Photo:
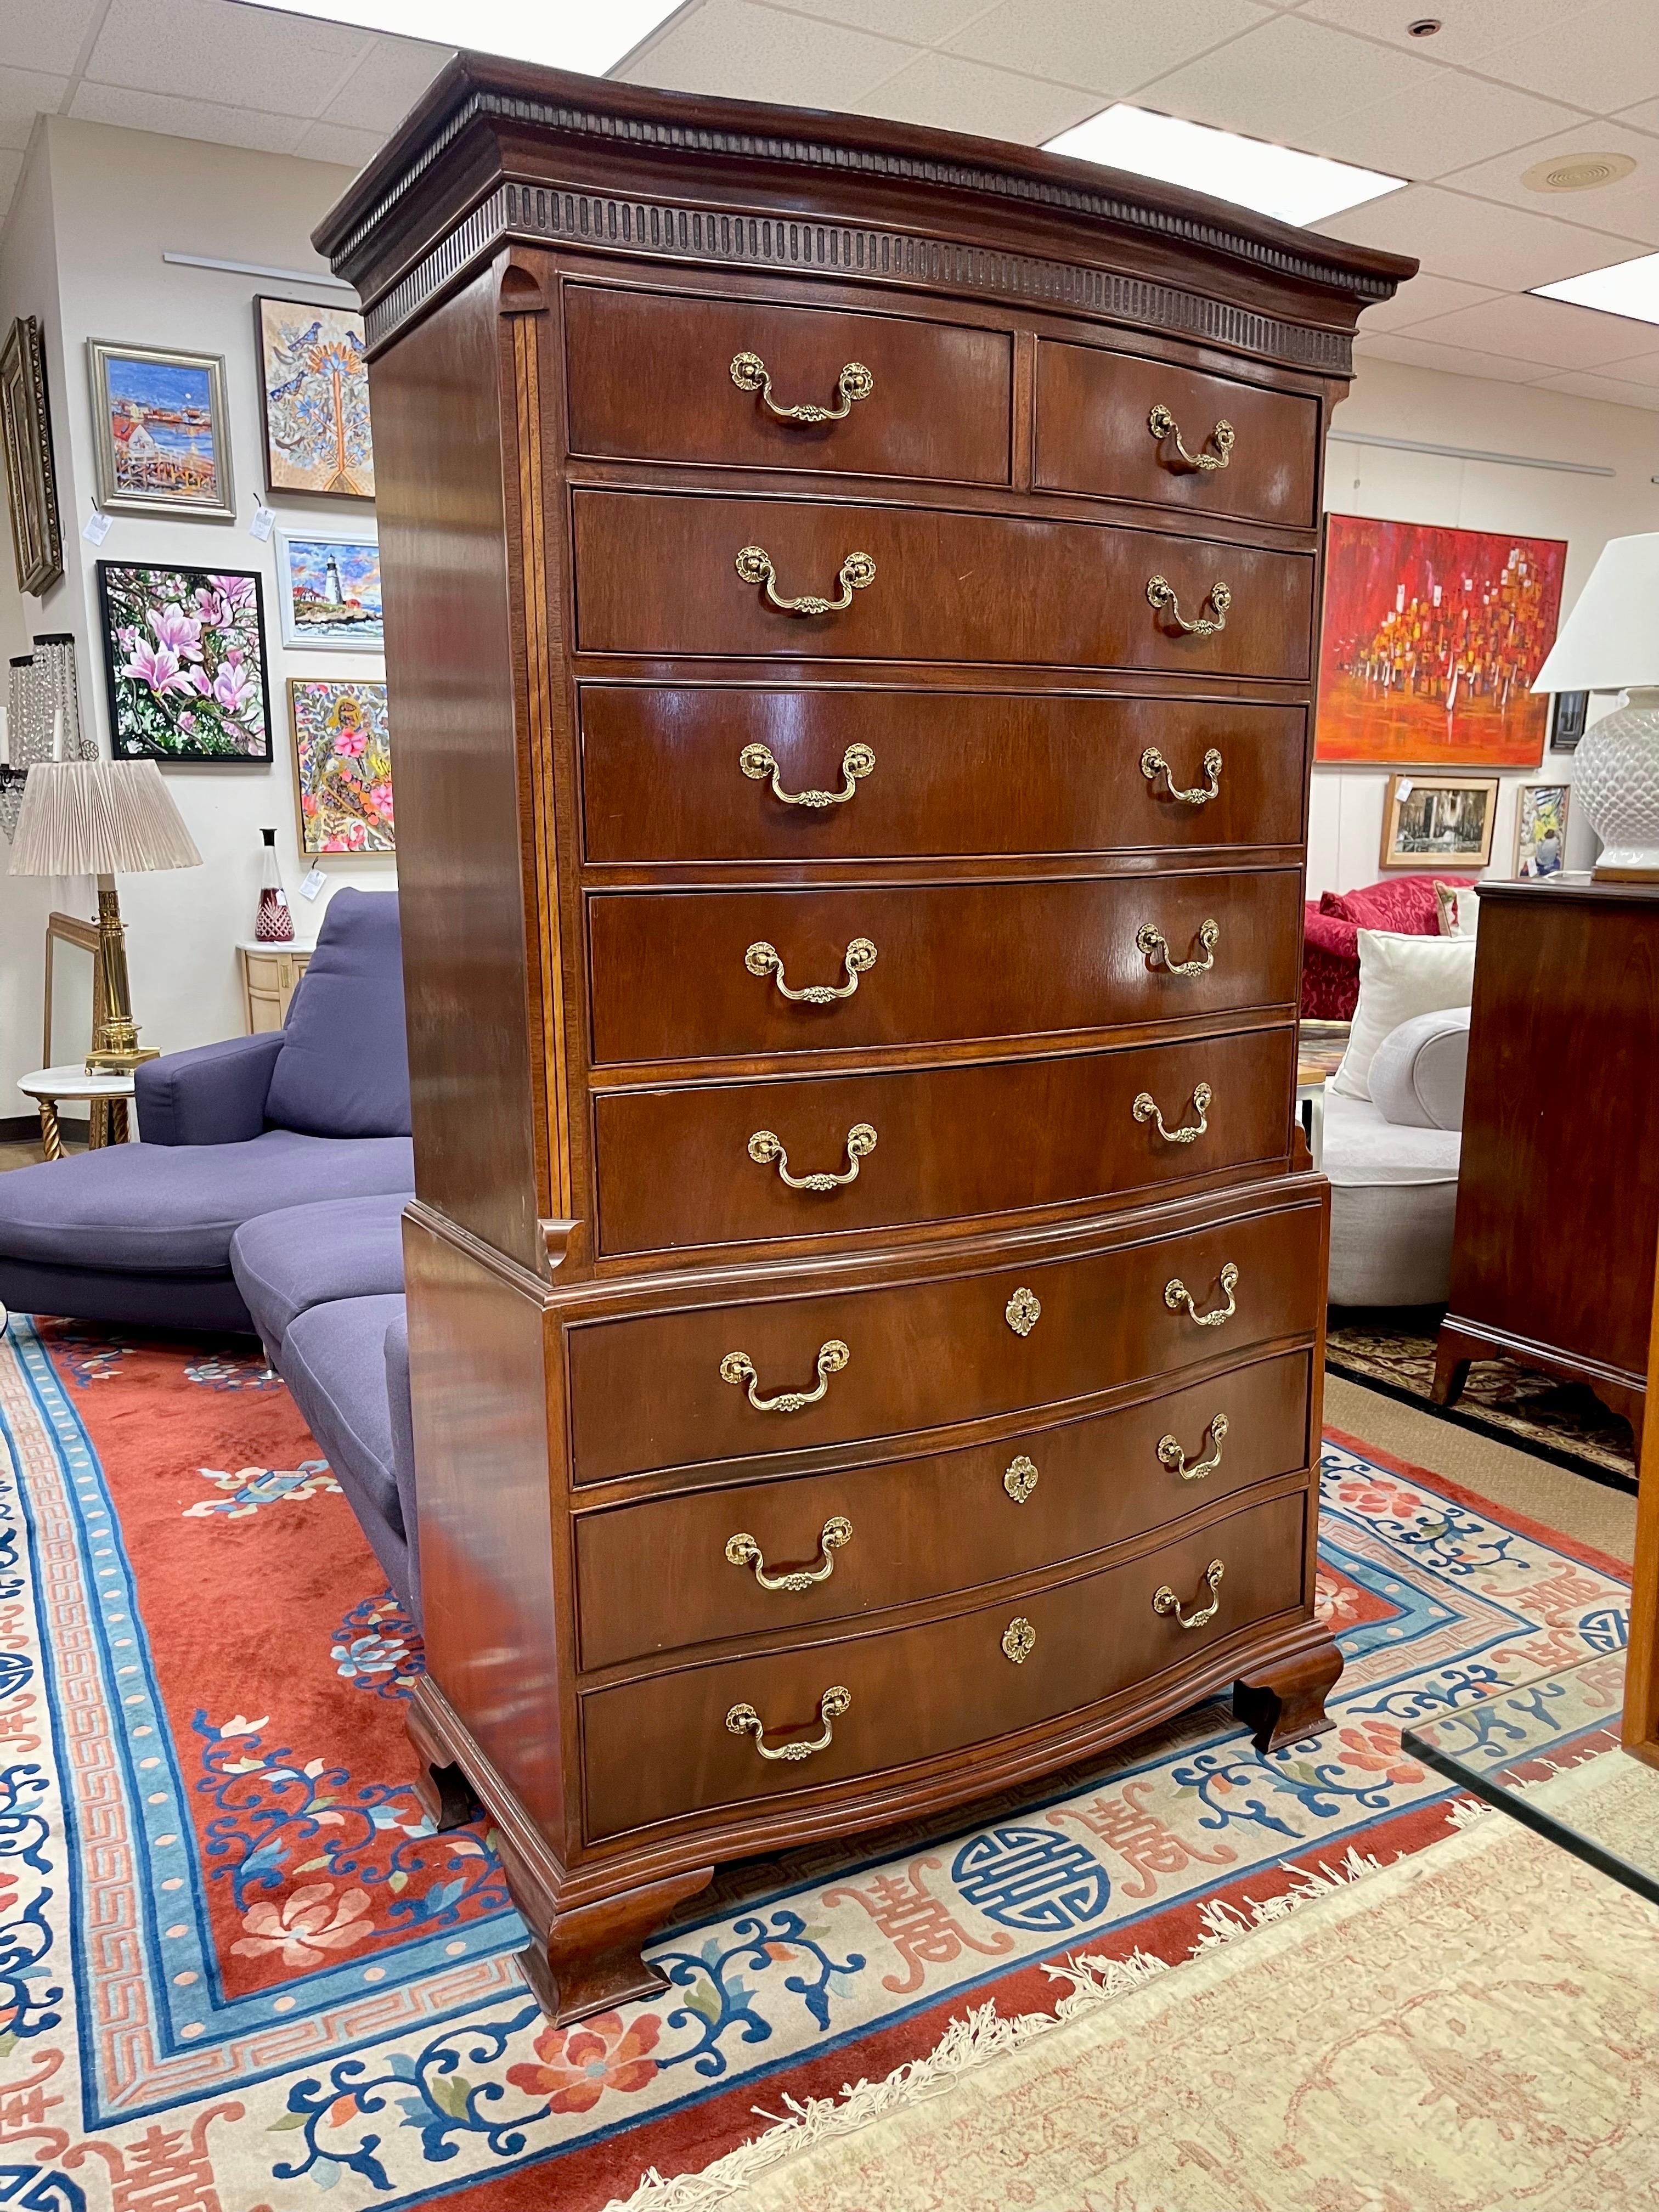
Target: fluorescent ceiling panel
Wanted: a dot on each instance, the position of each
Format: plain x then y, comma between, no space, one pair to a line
1274,180
561,33
1628,288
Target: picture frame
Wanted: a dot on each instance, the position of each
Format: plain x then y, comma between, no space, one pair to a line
1540,829
342,766
329,585
1569,712
37,536
185,663
160,431
313,400
1438,821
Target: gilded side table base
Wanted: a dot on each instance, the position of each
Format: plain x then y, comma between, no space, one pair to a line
51,1137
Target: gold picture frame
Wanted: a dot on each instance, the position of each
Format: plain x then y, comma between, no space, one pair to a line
36,536
1432,821
69,929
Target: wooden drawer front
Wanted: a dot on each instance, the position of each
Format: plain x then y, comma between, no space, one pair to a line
654,1578
670,979
675,1170
657,576
919,1693
650,375
663,773
1093,435
646,1391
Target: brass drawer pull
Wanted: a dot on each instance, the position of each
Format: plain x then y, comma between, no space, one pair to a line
1164,1600
738,1367
1023,1311
1146,1109
1021,1479
1161,594
742,1551
743,1720
1153,944
764,1148
1018,1640
1170,1451
1163,425
754,565
748,373
764,959
1176,1295
757,762
1153,765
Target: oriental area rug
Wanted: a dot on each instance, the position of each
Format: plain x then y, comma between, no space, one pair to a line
239,1972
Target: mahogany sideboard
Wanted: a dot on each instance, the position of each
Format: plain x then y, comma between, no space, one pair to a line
851,605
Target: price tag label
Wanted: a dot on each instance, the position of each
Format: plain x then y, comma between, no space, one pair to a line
95,528
261,524
313,884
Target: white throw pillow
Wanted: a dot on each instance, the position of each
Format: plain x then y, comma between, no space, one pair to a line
1400,976
1459,907
1418,1075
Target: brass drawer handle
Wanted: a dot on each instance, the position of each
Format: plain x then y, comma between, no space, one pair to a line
1155,946
764,1148
757,762
748,373
1018,1640
1146,1109
1176,1295
1163,425
764,959
754,565
1170,1451
1161,594
1153,765
1164,1600
1023,1311
738,1367
1021,1479
743,1720
742,1551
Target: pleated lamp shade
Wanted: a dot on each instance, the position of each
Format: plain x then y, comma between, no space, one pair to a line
98,818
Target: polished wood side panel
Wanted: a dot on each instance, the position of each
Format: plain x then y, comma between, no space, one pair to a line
942,1687
931,1351
976,773
675,1171
650,376
653,1578
1093,435
980,960
655,574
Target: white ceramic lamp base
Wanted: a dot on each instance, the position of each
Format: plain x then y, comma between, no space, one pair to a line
1615,779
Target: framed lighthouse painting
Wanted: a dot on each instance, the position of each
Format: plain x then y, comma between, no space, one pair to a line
329,584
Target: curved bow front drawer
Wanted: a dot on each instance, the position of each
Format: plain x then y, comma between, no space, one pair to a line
830,1711
777,1374
789,579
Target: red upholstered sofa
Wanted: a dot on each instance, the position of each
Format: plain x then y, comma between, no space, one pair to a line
1330,942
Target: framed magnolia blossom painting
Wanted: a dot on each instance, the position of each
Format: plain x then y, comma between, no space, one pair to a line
342,765
315,383
185,656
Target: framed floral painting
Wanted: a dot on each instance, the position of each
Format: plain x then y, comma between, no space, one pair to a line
342,765
185,656
314,384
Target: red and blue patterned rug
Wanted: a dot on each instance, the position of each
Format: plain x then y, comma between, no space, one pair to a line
238,1973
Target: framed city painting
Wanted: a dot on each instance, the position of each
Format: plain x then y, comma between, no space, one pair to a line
1438,821
342,765
1541,828
37,539
315,383
1569,712
1431,641
185,656
331,591
161,435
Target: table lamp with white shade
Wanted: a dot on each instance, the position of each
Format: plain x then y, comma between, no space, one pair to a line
103,818
1610,642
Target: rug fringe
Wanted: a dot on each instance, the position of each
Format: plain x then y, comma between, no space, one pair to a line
1223,1924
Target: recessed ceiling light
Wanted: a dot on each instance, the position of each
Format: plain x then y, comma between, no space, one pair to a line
1275,180
1424,27
1629,288
560,32
1576,173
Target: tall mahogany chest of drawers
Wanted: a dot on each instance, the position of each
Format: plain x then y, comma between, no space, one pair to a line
851,604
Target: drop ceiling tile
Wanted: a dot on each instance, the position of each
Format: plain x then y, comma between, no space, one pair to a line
1643,117
25,93
387,83
1637,369
46,34
1600,58
954,94
252,58
1470,28
924,22
1109,49
1452,118
1475,239
187,118
1286,81
1614,390
1456,360
1629,208
751,52
1548,331
1422,296
339,142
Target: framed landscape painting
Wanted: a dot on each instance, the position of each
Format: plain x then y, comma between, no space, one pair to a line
185,656
37,541
160,433
1438,821
331,593
343,764
1430,643
314,385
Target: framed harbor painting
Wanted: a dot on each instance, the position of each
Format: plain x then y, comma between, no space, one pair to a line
1431,641
313,383
185,657
160,436
331,591
37,541
342,765
1438,821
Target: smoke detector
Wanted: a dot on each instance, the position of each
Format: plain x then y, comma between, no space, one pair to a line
1578,172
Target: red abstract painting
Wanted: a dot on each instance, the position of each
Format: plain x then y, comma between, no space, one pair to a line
1431,639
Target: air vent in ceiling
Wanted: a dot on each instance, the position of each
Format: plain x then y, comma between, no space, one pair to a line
1578,172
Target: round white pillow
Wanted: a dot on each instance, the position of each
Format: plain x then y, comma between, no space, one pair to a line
1418,1073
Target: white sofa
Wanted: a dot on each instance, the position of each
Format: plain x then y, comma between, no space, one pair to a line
1392,1160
